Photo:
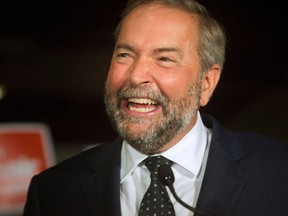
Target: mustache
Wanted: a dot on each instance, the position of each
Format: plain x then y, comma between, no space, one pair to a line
142,92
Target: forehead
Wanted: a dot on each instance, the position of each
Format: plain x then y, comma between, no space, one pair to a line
159,20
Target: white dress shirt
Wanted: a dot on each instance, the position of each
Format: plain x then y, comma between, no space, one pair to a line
189,156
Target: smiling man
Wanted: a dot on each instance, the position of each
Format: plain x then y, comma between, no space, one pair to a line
166,64
155,84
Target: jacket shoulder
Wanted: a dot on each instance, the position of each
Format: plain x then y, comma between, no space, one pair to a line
96,154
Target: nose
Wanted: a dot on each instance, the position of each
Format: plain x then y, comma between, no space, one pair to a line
141,72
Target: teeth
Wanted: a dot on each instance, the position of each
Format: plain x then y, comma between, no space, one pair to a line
141,109
141,101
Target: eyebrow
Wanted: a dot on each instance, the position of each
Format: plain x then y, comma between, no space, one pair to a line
156,51
125,47
166,49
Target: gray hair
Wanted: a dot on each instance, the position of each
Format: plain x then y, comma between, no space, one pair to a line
212,39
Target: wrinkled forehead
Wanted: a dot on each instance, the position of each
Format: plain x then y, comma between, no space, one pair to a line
157,10
159,18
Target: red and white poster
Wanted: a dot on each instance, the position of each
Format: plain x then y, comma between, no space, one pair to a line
25,150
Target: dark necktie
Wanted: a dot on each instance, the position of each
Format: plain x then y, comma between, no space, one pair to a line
156,201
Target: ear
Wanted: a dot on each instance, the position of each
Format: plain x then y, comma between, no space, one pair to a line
209,82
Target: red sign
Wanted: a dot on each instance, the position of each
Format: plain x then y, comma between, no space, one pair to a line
25,150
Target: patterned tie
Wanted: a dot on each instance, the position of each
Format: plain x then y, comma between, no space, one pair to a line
155,201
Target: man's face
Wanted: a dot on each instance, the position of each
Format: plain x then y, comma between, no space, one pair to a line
154,85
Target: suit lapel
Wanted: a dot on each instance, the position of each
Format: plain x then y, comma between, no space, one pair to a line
224,177
223,182
101,185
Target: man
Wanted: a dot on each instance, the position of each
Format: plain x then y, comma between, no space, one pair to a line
166,64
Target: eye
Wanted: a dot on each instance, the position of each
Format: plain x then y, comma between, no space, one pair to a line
166,59
166,62
122,55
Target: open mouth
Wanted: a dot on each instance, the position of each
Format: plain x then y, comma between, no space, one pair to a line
142,105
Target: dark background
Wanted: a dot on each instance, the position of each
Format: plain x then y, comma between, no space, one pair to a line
54,57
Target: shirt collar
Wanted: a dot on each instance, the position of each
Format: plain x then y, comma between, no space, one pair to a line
191,148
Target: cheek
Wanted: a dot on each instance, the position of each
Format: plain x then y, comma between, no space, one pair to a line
115,79
175,86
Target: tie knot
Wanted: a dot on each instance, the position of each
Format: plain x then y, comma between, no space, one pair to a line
153,163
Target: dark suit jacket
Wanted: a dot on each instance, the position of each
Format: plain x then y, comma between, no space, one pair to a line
246,174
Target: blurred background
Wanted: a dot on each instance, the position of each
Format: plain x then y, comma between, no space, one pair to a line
54,57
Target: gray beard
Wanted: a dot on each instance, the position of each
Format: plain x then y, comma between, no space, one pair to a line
176,116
